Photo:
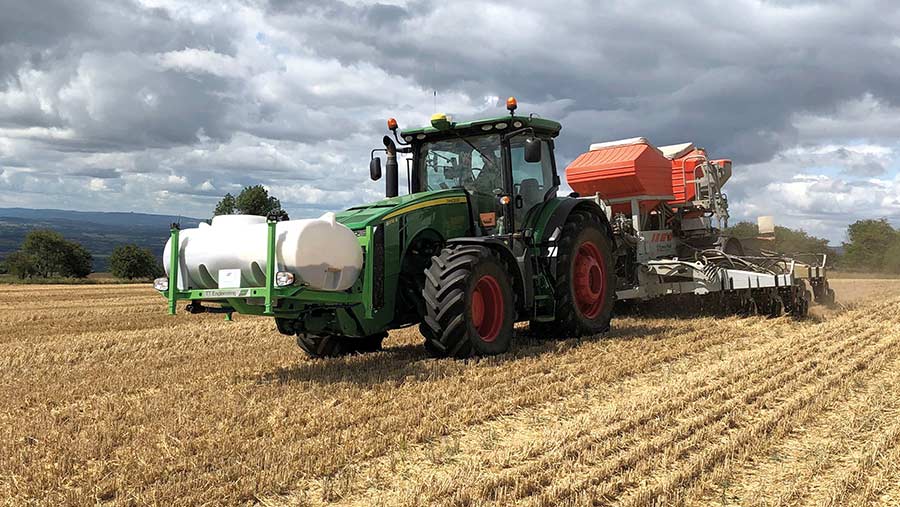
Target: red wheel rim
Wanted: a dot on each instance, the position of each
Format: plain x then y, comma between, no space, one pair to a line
589,280
487,308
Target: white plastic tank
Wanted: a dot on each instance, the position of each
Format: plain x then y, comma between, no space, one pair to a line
320,252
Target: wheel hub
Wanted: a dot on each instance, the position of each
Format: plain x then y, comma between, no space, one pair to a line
487,308
589,280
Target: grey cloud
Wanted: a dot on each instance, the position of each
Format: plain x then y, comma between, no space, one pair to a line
42,22
92,63
870,168
102,173
377,13
45,34
300,124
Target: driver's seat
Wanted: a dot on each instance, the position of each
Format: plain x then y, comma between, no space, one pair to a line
530,190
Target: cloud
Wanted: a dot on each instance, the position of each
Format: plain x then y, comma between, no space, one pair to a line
863,160
97,184
97,173
822,205
169,103
202,61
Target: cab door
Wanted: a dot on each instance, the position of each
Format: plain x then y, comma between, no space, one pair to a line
532,182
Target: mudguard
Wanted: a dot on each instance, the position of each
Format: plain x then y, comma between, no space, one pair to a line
561,213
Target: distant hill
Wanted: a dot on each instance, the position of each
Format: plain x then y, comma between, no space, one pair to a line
97,231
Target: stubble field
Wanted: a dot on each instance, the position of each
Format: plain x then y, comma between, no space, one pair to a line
104,399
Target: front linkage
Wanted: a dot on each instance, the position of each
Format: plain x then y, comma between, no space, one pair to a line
266,300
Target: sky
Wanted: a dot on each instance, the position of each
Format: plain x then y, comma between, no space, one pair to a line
163,106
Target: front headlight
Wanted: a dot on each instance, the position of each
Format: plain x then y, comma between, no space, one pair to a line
284,278
161,284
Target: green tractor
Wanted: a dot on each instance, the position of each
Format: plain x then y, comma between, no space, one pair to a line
481,241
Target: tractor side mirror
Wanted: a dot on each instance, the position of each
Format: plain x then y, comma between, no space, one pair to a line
532,150
375,168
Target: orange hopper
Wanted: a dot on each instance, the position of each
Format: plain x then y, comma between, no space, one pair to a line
621,170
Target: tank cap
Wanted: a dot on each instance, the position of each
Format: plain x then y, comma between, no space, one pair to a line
329,217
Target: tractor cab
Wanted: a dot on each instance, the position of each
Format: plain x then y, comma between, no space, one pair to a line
504,164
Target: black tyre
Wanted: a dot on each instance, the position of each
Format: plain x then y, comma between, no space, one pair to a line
824,294
776,307
285,326
469,303
371,343
750,309
585,280
335,346
830,298
797,301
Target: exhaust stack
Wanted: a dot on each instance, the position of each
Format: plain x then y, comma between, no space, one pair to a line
391,169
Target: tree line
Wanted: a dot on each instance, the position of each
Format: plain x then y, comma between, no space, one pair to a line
47,254
871,246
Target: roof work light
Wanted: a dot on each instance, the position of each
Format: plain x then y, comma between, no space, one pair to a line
512,104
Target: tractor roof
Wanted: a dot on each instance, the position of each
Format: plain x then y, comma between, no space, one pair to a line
540,125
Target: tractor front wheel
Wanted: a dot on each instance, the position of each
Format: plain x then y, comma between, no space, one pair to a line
469,303
335,346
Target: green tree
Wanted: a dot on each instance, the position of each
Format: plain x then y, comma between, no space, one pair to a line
253,200
743,230
869,241
21,265
79,262
798,241
53,255
48,249
225,206
132,261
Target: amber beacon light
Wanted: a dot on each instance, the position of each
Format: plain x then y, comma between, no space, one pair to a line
512,104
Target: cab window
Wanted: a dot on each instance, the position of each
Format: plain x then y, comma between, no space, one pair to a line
531,181
455,163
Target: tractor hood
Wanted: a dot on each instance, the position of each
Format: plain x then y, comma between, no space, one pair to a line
359,217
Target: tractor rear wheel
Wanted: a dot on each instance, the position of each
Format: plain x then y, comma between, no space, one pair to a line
585,280
335,346
469,303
